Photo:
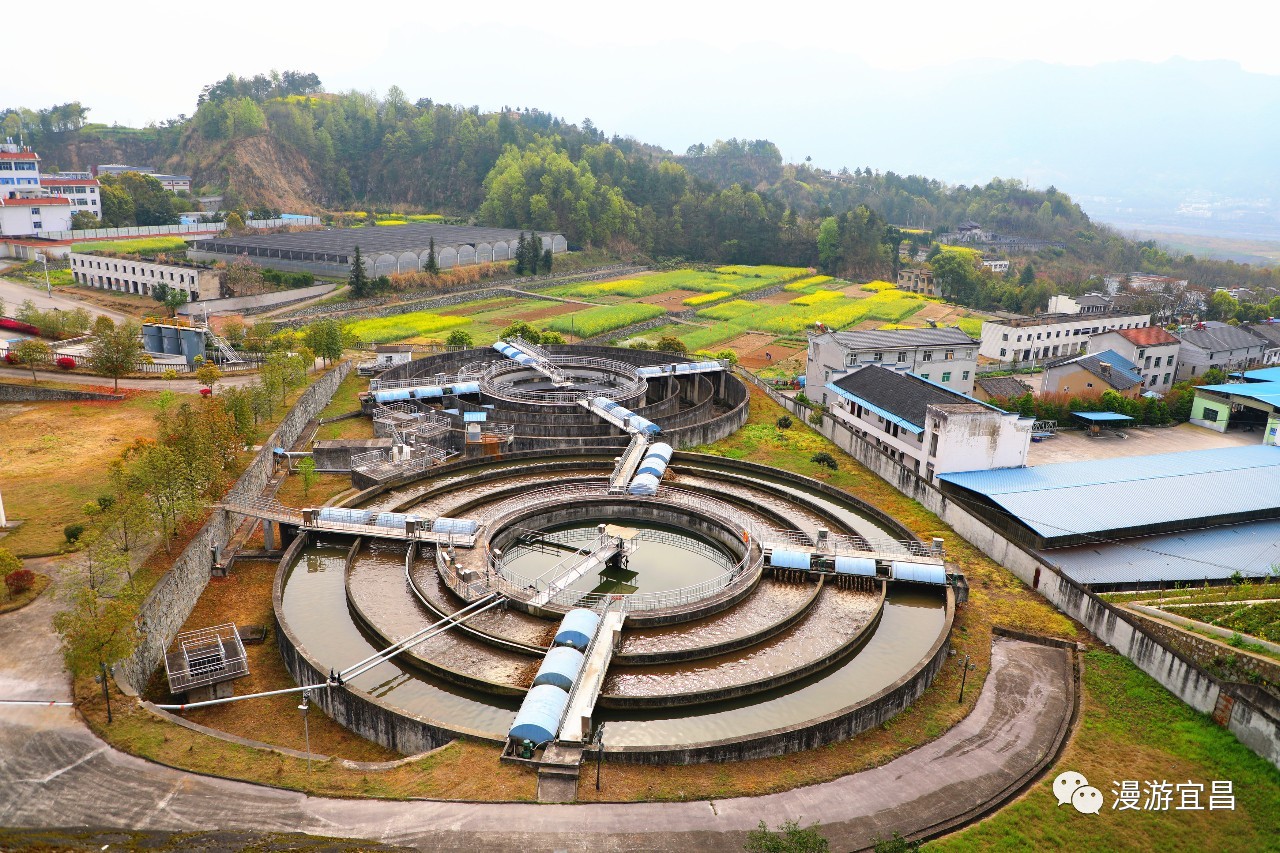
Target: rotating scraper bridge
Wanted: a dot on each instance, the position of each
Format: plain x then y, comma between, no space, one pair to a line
579,570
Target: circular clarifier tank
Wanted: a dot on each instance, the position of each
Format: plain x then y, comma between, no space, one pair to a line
720,655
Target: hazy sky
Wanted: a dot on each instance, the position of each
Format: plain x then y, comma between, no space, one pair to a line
646,69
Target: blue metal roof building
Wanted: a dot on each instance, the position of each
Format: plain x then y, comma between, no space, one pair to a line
1078,503
1215,553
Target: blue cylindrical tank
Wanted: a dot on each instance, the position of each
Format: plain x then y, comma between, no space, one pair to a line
395,520
464,388
864,566
338,515
919,572
427,392
643,484
456,526
655,460
560,667
577,628
392,395
789,559
538,719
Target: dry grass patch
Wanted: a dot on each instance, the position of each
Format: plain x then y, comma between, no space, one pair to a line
54,458
8,603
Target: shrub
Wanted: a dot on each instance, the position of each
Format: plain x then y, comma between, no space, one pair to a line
785,422
815,418
66,362
8,563
10,358
822,457
19,582
73,532
669,343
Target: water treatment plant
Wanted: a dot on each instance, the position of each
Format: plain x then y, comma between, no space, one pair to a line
531,560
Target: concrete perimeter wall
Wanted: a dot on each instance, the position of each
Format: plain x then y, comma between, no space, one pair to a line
262,300
35,394
1230,705
171,601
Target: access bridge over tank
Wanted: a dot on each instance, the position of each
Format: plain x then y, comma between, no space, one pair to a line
453,532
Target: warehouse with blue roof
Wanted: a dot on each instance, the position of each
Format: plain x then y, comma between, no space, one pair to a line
1140,519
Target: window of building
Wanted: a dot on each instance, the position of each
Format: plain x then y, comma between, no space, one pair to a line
1005,337
37,225
933,444
964,375
1210,414
1158,358
1147,363
877,356
1002,353
1166,379
927,355
35,211
924,376
902,358
946,377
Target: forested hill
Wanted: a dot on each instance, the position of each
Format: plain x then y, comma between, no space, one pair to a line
280,141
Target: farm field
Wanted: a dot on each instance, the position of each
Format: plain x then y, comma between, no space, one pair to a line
724,304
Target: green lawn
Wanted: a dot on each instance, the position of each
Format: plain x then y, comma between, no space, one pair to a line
606,318
1133,729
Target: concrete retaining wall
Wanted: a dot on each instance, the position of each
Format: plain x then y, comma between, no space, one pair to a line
251,303
166,609
36,394
1181,676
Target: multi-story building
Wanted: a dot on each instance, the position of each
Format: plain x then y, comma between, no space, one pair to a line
19,171
172,183
925,427
946,356
917,280
139,277
1153,350
1000,265
1085,303
83,193
1215,344
31,217
1091,374
1270,334
1051,335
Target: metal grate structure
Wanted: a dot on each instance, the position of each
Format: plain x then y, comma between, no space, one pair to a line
205,657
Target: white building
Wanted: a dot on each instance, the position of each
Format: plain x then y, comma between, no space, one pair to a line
1152,350
947,356
1085,303
31,217
172,183
131,275
1221,345
84,194
999,265
917,280
19,171
925,427
1051,335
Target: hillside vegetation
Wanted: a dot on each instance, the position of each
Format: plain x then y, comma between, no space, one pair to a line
279,141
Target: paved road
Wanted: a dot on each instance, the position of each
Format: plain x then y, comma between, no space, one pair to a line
186,386
55,773
14,294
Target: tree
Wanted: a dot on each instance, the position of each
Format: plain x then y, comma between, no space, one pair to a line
790,838
546,261
117,206
551,338
242,278
1027,276
431,265
1222,306
307,470
98,629
208,375
670,343
171,298
325,339
522,252
521,329
235,222
115,350
358,281
82,220
32,353
1273,307
459,338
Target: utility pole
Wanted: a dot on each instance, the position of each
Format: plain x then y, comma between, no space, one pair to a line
306,729
963,678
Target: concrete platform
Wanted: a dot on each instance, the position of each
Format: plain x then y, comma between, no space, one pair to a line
1073,446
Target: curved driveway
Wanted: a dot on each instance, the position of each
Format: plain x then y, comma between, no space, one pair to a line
55,773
